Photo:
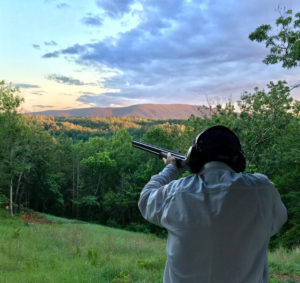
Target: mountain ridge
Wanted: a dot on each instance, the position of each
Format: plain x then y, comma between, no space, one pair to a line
151,111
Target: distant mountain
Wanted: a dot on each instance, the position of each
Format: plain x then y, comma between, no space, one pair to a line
153,111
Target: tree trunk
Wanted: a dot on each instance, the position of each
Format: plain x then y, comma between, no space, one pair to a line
17,197
73,186
11,210
18,186
10,150
77,188
21,194
98,183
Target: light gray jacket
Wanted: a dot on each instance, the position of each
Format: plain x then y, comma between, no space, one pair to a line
219,223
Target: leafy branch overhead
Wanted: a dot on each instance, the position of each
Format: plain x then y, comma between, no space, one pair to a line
285,45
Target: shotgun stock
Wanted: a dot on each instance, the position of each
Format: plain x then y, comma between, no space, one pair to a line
161,152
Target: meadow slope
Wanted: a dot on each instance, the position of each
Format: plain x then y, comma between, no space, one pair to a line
43,248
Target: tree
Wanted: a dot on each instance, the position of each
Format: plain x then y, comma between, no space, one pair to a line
276,138
11,127
264,116
40,186
284,46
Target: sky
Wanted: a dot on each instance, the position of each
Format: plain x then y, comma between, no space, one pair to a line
66,54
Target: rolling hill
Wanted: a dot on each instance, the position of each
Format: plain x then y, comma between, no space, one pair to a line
152,111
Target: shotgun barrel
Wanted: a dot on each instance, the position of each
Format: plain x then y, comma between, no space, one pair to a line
161,152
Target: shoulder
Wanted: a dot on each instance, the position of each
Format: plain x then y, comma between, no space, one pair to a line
185,184
257,179
246,181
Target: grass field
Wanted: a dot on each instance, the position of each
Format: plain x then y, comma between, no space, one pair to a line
51,249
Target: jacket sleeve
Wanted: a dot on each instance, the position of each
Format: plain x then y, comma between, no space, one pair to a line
154,195
279,213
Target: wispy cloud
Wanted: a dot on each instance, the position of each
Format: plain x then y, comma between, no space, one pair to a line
43,106
21,85
115,8
36,46
50,43
38,93
72,50
108,99
62,5
64,80
54,54
75,49
92,20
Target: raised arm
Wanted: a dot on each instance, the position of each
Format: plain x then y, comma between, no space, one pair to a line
155,194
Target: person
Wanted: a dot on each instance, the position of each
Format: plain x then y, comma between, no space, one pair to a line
219,220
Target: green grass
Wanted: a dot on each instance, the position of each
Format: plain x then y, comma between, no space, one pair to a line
284,266
72,251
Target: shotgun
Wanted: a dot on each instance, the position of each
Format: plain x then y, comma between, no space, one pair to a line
161,152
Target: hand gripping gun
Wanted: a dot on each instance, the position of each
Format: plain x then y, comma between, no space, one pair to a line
162,153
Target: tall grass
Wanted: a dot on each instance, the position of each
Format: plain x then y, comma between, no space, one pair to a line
284,265
68,251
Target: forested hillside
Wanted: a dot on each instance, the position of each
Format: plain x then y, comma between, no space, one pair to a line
83,128
99,179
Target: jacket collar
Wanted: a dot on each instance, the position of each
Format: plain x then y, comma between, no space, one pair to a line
214,165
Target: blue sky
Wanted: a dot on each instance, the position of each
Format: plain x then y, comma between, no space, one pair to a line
73,54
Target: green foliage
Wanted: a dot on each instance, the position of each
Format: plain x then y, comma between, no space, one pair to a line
12,138
150,264
92,256
99,161
89,201
16,233
10,101
4,200
122,278
276,122
284,264
285,45
81,129
264,115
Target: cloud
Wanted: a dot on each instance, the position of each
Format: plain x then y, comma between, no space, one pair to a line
38,93
66,94
36,46
180,50
43,106
75,49
115,8
62,5
50,43
21,85
92,20
64,80
107,100
54,54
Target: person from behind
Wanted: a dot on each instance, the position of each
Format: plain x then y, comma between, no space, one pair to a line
219,220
